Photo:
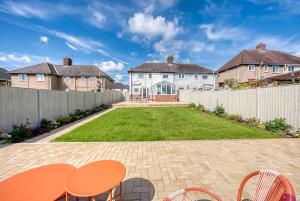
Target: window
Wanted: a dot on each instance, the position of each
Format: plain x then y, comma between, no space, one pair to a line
226,72
66,79
173,89
204,77
150,75
136,90
196,76
251,68
266,68
22,77
40,77
93,79
291,69
181,76
140,75
82,79
164,89
165,76
158,89
275,69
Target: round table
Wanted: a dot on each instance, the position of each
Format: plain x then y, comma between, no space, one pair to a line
96,178
39,184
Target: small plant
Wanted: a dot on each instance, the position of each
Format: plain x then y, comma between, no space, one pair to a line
20,133
48,124
63,120
219,111
200,108
277,124
252,121
234,117
261,126
192,105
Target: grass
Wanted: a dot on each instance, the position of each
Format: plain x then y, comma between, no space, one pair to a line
167,123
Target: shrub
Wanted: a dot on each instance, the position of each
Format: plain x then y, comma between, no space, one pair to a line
49,125
20,133
200,108
103,106
277,124
63,120
252,121
234,117
219,111
192,105
261,126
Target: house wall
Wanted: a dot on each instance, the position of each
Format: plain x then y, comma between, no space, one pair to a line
31,82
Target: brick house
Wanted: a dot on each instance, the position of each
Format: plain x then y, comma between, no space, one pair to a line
4,77
160,81
61,77
259,64
288,78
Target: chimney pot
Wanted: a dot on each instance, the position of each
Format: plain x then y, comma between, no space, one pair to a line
67,61
170,60
261,46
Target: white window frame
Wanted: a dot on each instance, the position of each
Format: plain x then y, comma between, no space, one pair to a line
93,79
266,68
277,67
82,79
288,69
181,75
150,75
136,88
40,77
250,68
66,79
140,75
165,76
206,77
227,72
196,76
23,77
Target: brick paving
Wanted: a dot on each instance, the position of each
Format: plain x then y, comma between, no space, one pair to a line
155,169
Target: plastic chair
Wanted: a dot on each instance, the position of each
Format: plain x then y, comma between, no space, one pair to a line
186,195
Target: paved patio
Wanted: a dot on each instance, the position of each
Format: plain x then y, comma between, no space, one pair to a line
154,169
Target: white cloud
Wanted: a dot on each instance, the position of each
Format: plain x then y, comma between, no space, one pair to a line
15,58
221,34
118,78
96,18
186,61
44,39
151,27
71,46
110,66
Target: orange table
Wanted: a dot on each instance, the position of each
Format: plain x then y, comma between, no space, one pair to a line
96,178
44,183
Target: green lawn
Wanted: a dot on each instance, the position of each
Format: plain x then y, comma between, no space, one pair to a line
167,123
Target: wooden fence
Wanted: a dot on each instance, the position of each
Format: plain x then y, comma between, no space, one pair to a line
19,105
263,103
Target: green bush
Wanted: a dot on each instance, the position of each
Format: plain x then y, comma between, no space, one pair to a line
47,124
200,108
63,120
252,121
219,111
20,133
234,117
192,105
277,124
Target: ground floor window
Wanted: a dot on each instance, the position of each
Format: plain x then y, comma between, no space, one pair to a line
164,88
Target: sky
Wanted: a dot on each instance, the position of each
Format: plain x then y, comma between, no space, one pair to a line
116,35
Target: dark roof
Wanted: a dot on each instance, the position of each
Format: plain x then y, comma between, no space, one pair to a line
270,57
43,68
169,68
4,75
118,85
61,70
285,77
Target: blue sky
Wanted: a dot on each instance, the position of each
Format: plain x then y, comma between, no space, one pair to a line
119,34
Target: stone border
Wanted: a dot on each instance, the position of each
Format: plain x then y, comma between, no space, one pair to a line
47,137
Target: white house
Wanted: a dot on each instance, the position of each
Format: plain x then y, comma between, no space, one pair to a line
161,81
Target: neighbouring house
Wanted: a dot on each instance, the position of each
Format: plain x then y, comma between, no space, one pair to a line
161,81
61,77
288,78
259,64
4,77
120,87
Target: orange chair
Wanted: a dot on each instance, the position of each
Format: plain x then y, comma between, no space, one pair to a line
270,186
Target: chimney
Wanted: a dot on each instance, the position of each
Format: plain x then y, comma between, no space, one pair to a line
261,47
67,61
170,60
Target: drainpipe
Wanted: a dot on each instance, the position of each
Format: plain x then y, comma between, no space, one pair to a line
131,84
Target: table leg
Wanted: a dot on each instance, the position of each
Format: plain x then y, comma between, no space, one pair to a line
67,196
110,195
120,191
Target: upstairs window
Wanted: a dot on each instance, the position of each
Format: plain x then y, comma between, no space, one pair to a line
66,79
266,68
204,77
40,77
181,76
82,79
140,75
251,68
22,77
291,69
150,75
165,75
93,79
275,69
196,76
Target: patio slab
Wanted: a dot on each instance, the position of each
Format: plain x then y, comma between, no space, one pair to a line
155,169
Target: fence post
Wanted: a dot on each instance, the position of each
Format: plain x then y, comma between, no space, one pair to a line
39,110
257,103
68,101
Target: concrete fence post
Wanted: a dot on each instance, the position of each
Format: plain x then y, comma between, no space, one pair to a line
257,103
39,109
68,101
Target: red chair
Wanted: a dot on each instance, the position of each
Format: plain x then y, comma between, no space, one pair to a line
270,186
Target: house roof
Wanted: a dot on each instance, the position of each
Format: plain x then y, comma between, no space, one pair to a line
285,77
61,70
4,75
118,85
170,68
270,57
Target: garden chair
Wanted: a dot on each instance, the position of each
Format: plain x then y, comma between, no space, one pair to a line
270,186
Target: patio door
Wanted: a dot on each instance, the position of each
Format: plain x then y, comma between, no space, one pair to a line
144,93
